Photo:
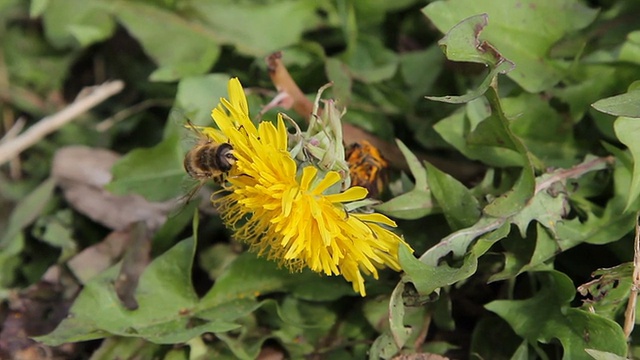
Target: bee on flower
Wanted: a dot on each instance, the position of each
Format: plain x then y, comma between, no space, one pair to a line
293,209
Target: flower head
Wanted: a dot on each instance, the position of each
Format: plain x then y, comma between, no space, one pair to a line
295,214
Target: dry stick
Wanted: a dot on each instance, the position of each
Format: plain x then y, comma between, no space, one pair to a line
630,312
49,124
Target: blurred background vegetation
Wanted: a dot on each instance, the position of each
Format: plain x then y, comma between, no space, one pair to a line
61,230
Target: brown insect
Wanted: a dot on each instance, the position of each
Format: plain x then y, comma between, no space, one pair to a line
208,159
367,167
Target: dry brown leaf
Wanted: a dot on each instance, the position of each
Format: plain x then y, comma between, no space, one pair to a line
82,172
99,257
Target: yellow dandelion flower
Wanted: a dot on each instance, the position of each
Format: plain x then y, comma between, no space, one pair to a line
287,213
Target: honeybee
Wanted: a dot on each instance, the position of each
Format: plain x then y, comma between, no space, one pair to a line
367,167
207,160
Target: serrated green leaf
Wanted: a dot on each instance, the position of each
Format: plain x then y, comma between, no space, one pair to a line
547,316
511,24
427,274
398,331
463,43
155,173
546,207
608,293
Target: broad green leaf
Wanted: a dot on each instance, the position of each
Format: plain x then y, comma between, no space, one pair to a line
628,130
116,347
412,205
516,198
370,61
604,355
416,203
57,231
250,276
542,129
338,73
196,97
257,29
37,7
12,241
459,206
155,173
384,347
547,316
455,129
593,82
27,211
399,332
420,70
33,66
166,302
180,48
513,23
493,338
627,105
630,50
67,23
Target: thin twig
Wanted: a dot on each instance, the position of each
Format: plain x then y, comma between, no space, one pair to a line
13,130
106,124
49,124
630,312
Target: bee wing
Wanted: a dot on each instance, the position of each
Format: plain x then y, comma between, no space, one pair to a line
190,134
194,191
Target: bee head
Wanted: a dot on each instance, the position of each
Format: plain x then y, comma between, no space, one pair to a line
225,157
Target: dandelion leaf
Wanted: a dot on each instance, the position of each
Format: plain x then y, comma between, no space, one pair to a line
548,315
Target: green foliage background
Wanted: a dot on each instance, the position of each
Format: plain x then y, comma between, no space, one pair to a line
540,94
